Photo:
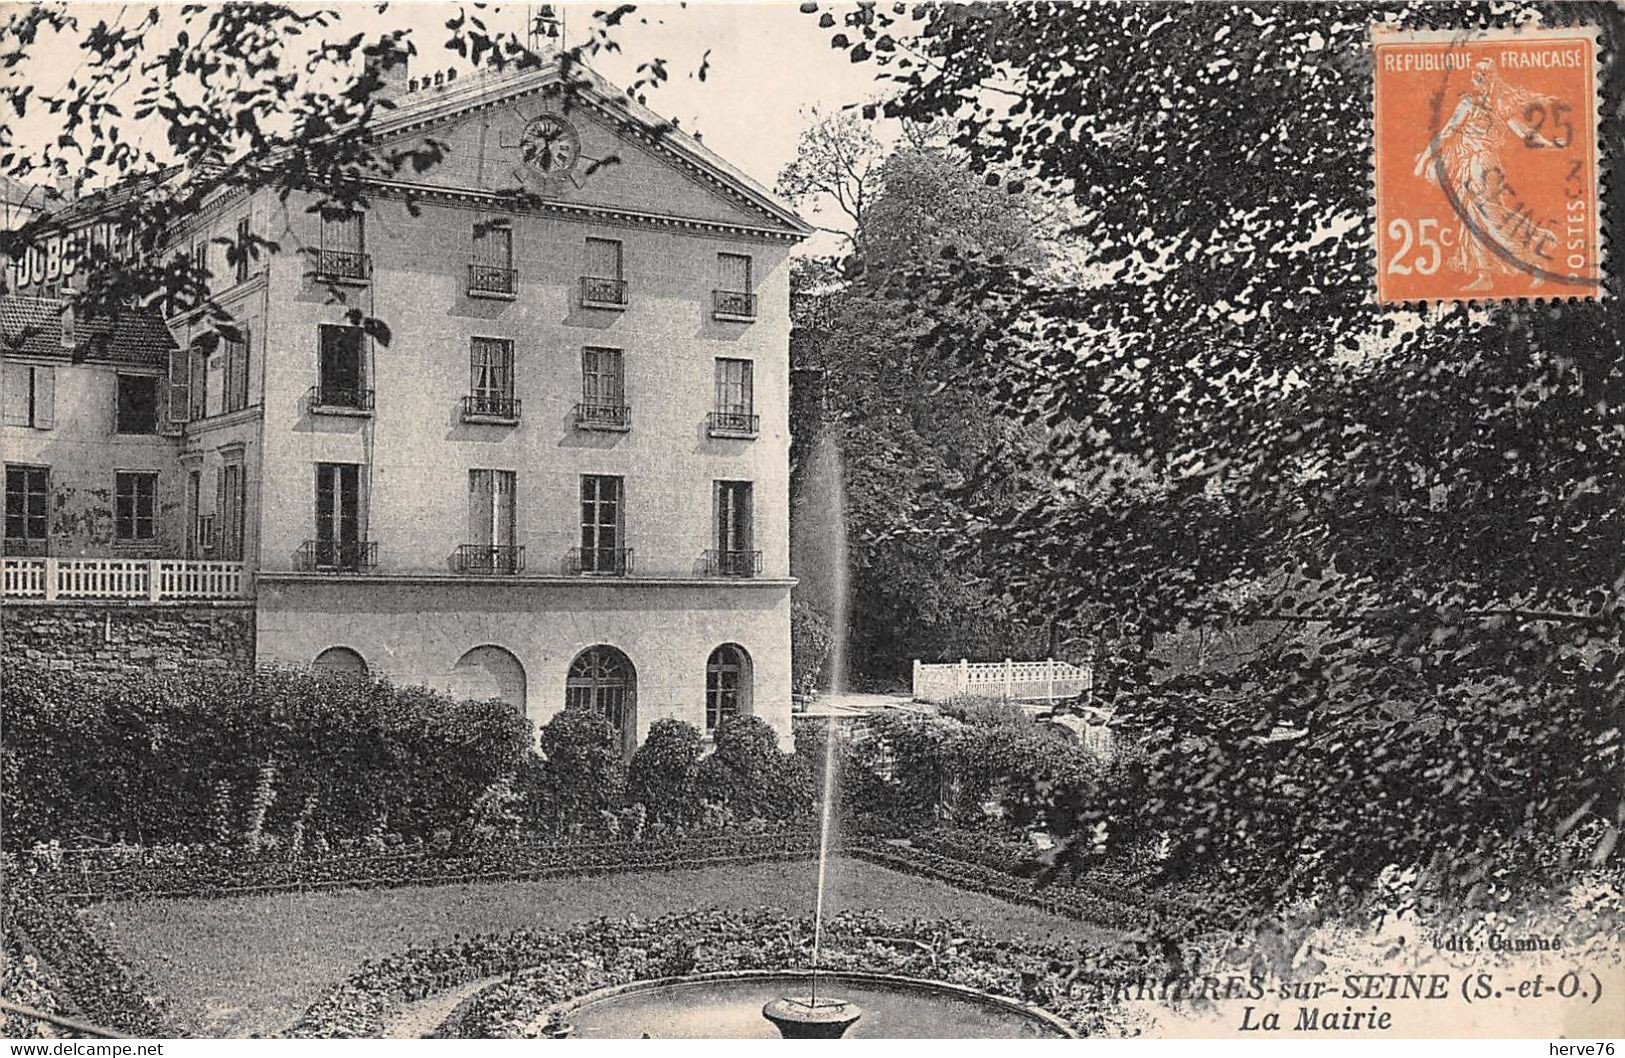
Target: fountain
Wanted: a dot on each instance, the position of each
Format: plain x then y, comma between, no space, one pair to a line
799,1004
808,1019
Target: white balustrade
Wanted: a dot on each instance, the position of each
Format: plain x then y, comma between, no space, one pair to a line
156,580
1028,680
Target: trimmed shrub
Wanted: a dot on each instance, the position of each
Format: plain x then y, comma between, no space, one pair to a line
664,772
581,776
749,776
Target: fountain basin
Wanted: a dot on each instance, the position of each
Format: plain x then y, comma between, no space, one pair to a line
730,1005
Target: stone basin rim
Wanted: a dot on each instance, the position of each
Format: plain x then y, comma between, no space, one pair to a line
1054,1022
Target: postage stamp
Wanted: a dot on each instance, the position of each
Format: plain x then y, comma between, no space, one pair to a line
1486,164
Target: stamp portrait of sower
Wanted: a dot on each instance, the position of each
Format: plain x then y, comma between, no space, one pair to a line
1486,162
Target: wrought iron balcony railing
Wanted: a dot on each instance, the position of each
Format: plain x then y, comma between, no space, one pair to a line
344,399
490,407
733,424
729,563
335,556
344,264
490,558
733,305
600,293
493,279
612,561
596,416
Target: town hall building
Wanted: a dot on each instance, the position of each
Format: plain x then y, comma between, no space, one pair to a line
562,481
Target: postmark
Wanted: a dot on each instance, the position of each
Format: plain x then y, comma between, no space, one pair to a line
1486,164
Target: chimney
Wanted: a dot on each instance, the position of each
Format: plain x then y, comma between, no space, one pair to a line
390,66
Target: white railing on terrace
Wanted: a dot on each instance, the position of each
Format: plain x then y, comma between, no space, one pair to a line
1013,680
155,579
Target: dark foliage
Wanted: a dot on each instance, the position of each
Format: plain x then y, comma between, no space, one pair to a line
1422,508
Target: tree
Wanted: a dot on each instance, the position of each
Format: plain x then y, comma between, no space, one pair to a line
912,428
1428,505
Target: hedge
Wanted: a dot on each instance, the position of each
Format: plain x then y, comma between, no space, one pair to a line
207,873
274,756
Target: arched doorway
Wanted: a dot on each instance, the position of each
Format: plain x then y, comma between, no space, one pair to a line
727,684
340,661
489,672
602,680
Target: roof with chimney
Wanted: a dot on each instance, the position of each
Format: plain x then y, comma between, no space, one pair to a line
32,327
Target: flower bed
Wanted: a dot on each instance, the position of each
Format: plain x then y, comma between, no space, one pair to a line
89,982
1008,852
1059,900
201,872
544,968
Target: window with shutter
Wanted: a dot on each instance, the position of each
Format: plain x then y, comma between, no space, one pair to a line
180,385
30,396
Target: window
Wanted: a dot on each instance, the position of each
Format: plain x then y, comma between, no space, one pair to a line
604,258
601,681
735,415
727,685
734,556
490,523
489,673
235,397
492,271
30,396
232,513
733,515
242,250
601,531
135,504
734,297
27,492
197,398
344,247
137,410
340,661
341,369
602,286
200,260
491,378
603,389
339,530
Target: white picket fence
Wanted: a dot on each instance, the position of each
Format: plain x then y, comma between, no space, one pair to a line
1007,679
155,579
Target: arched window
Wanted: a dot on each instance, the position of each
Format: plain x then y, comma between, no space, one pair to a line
602,680
340,660
727,684
489,672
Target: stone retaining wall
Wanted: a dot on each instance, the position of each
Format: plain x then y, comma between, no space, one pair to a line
102,639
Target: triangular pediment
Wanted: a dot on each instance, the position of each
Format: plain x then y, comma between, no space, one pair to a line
626,159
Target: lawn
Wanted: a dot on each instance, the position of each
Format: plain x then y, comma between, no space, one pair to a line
250,965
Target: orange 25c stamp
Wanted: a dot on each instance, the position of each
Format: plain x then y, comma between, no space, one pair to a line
1485,154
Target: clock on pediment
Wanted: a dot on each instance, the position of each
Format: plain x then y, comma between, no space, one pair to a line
550,145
